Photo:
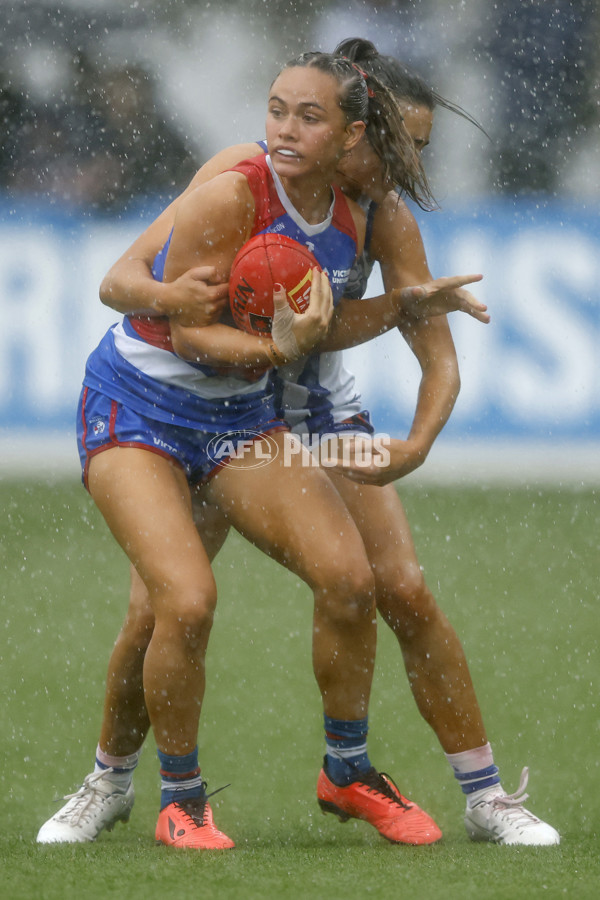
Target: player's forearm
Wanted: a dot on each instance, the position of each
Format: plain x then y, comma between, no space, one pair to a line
130,289
220,345
438,390
357,321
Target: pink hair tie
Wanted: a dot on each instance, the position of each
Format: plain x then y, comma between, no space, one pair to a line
370,91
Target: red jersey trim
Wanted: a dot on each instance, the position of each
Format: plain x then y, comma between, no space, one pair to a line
155,331
269,206
343,219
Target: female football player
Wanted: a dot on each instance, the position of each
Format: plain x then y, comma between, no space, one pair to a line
433,656
146,420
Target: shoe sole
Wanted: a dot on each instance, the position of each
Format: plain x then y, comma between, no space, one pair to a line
481,836
124,819
197,849
328,807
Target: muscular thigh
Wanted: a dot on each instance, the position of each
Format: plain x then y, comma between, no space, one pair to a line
145,500
291,511
211,523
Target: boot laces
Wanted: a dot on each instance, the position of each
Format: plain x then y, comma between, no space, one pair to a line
511,805
86,799
195,807
382,783
518,797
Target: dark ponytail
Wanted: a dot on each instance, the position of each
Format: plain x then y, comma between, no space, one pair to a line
401,81
387,135
363,97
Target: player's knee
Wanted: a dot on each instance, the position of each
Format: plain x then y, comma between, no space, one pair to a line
188,613
349,598
405,602
138,627
136,633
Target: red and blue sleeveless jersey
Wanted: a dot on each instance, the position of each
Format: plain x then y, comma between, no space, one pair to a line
332,242
135,363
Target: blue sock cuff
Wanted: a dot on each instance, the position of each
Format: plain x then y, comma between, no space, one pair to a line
344,729
479,780
115,769
180,778
178,765
473,776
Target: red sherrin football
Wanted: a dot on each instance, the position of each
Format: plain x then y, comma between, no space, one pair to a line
265,260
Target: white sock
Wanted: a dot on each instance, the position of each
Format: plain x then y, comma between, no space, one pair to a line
475,771
123,767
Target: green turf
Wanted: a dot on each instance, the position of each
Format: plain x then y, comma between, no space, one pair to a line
517,571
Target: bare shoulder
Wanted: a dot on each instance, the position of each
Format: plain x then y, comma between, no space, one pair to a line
222,161
227,192
395,230
211,224
394,212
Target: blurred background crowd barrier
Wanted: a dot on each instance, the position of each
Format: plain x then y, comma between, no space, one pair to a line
108,109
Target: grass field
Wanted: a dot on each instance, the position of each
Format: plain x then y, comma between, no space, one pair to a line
518,572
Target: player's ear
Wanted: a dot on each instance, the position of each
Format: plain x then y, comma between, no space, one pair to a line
354,133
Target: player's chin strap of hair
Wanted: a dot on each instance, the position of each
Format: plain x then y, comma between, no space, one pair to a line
370,91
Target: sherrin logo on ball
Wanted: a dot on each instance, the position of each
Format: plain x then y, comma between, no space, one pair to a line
265,260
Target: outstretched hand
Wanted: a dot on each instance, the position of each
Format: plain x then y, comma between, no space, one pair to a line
442,296
295,334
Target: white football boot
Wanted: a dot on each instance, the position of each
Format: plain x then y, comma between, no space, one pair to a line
500,817
95,807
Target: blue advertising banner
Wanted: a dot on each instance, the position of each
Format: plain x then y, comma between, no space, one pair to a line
534,372
532,375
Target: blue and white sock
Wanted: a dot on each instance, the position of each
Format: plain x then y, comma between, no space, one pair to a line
346,749
122,767
180,778
475,771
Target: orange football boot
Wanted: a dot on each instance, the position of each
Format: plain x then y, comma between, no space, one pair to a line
375,798
189,824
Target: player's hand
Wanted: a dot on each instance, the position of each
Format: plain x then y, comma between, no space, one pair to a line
378,461
295,334
194,301
442,296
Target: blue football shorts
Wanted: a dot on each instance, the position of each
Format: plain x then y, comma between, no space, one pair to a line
358,424
103,423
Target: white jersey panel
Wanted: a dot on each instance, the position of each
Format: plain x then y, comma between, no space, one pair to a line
318,386
164,366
